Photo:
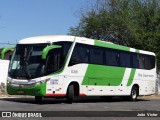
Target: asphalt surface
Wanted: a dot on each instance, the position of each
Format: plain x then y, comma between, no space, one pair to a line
81,104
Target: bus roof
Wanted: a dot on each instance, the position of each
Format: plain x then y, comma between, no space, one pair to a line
56,38
46,39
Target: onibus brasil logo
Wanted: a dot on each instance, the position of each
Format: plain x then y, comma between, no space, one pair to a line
21,114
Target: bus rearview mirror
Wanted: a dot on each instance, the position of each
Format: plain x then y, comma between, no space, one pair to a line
5,50
47,49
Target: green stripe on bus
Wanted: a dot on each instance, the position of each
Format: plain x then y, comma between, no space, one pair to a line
132,73
111,45
101,75
6,50
131,77
137,51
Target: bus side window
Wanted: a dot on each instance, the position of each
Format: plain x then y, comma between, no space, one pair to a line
79,55
141,61
65,48
125,59
149,62
96,56
53,61
135,62
152,61
112,57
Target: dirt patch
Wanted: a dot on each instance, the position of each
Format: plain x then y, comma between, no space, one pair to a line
150,97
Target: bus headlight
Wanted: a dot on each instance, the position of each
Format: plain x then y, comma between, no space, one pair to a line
38,83
42,81
8,82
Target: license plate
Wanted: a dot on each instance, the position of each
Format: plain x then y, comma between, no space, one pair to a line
20,92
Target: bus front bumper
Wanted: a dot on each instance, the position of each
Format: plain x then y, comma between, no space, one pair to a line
39,90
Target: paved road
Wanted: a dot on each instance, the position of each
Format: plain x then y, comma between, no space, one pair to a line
80,104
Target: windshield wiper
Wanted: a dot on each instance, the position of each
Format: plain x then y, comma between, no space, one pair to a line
26,63
23,67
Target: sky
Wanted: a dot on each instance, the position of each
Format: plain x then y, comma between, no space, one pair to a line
25,18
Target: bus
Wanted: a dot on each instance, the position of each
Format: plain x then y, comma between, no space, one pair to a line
5,57
68,66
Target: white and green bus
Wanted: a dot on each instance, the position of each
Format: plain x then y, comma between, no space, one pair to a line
5,57
69,66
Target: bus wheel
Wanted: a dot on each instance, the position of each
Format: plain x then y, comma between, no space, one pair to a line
38,99
70,94
134,93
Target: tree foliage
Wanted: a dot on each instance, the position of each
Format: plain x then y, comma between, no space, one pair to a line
133,23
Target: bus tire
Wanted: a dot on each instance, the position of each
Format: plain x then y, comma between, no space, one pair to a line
134,94
38,99
70,94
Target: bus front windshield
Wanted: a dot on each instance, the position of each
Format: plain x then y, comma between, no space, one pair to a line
27,62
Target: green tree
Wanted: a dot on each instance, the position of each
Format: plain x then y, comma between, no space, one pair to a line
133,23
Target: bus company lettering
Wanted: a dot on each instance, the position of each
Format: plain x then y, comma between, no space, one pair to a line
74,71
144,75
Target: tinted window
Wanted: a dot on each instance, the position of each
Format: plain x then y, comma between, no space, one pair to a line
66,46
79,55
149,62
125,59
54,61
135,62
112,57
96,55
56,57
141,61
